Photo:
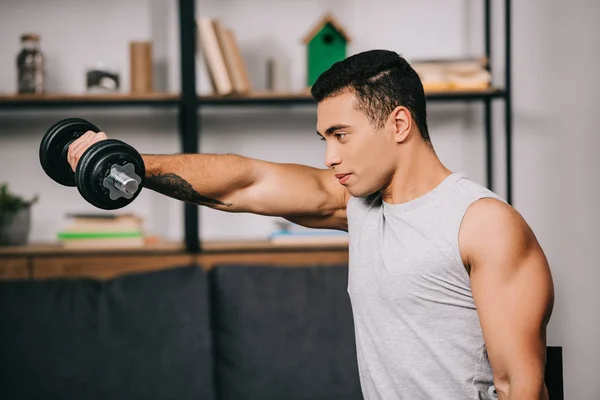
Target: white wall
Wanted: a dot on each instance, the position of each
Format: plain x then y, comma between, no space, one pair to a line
555,60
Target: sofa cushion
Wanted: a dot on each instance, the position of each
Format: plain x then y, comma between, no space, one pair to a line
283,333
139,336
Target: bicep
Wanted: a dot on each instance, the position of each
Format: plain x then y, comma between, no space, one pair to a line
512,289
302,194
337,220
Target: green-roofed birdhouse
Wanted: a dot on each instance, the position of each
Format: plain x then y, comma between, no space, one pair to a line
325,45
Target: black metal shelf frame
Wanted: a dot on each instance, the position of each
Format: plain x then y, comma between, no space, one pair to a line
190,102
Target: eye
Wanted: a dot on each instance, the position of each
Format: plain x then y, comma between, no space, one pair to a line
340,136
322,139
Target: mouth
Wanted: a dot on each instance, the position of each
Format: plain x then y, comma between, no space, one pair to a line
342,178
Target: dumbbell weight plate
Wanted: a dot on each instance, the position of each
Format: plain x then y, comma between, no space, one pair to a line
54,146
95,164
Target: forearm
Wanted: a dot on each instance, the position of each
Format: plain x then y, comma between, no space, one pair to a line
205,179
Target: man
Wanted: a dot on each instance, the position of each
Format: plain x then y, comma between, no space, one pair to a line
450,290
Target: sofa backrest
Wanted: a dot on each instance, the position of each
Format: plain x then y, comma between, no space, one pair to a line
140,336
283,333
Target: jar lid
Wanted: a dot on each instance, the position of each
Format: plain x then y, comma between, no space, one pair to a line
30,36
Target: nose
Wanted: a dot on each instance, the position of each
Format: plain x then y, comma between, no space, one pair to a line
332,157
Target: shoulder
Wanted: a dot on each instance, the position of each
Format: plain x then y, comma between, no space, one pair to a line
468,189
492,229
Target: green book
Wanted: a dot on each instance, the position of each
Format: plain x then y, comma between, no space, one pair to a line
97,235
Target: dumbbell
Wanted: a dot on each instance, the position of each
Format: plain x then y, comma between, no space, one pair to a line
110,173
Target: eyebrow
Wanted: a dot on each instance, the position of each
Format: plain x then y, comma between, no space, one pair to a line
333,128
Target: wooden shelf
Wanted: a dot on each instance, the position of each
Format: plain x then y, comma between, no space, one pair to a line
290,98
42,261
78,100
465,94
258,98
169,99
209,247
266,246
43,249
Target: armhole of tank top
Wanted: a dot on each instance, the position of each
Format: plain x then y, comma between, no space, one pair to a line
456,233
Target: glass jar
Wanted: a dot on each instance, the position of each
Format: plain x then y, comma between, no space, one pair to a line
30,65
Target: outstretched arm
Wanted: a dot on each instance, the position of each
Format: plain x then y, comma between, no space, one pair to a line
513,292
305,195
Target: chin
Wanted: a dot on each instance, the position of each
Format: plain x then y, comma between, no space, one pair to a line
360,192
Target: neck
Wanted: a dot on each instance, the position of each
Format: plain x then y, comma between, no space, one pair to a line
419,171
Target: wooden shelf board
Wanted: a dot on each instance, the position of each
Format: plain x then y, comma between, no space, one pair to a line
260,96
266,245
255,98
208,247
475,90
90,96
305,97
58,249
83,99
461,94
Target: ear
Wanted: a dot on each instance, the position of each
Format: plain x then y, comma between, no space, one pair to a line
401,120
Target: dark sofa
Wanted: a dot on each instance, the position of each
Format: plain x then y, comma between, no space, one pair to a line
235,332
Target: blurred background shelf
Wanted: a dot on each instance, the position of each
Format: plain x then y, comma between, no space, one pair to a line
216,247
257,98
171,99
189,103
43,261
209,247
466,94
43,249
86,100
274,98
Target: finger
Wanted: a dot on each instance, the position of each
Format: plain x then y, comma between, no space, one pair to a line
71,151
96,138
82,141
75,152
72,162
101,136
79,142
80,150
86,144
87,140
78,147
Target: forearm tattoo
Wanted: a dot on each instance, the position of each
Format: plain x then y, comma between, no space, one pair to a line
173,185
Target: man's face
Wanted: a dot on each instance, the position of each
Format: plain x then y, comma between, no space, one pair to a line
363,159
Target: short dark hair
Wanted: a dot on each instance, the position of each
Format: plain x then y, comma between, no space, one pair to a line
381,80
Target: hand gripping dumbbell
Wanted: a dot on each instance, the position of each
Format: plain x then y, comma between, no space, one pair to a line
110,173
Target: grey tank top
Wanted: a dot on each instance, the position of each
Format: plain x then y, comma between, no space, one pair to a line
417,331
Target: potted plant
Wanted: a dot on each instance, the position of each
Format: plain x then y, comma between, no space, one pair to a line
15,217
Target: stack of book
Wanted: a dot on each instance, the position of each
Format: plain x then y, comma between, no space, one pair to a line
102,231
224,60
316,238
448,75
290,234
